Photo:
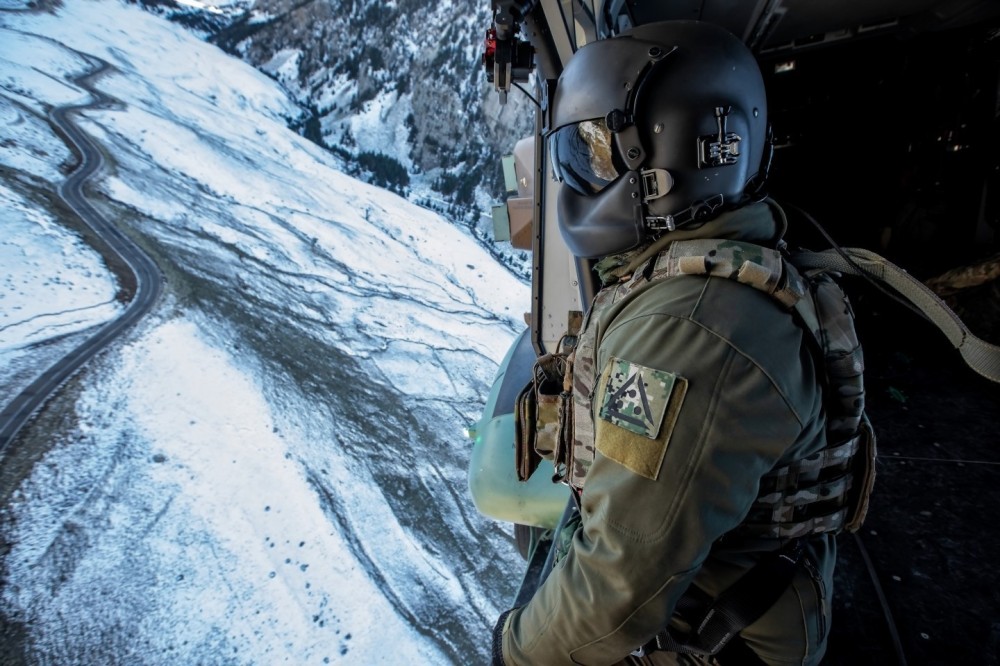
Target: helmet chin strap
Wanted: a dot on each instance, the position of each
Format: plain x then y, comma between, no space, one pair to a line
756,189
657,183
699,211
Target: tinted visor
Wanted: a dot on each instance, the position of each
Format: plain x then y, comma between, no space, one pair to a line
584,156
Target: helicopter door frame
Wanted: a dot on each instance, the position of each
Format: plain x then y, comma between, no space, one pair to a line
561,283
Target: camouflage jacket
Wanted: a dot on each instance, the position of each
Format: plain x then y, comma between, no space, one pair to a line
699,387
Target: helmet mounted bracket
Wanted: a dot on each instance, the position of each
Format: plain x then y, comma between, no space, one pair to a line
722,148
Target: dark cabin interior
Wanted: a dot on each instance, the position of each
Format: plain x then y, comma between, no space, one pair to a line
885,115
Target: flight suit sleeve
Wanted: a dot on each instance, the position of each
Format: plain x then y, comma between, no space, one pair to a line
652,507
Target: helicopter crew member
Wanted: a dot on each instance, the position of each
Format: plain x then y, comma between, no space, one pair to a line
692,388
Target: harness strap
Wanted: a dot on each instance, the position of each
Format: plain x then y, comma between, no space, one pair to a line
981,356
736,608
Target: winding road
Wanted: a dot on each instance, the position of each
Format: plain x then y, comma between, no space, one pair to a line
147,276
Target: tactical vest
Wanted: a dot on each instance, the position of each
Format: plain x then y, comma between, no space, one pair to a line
824,492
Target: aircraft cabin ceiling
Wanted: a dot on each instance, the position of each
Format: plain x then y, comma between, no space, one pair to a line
789,25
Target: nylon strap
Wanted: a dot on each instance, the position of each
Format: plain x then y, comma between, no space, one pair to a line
738,606
980,355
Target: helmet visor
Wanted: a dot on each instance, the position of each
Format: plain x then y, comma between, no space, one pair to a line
584,156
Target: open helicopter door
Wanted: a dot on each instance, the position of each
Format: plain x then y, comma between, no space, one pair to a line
561,284
493,483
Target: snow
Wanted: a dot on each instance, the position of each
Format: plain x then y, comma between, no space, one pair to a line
26,62
381,123
284,65
213,7
234,534
337,94
51,282
268,469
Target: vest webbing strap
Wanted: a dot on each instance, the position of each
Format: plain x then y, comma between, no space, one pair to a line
715,623
980,355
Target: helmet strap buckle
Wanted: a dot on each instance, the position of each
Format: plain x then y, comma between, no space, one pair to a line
658,224
699,211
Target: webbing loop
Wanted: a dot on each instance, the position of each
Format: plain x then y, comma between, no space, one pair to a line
980,355
739,606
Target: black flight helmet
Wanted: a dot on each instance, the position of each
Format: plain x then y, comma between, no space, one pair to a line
659,128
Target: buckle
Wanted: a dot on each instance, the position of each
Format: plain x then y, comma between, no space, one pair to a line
661,224
699,210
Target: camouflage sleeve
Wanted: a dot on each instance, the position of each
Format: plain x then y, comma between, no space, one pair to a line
677,465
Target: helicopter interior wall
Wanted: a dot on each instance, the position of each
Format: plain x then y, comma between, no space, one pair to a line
892,144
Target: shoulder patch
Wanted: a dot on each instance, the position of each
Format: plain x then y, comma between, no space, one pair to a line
636,397
643,403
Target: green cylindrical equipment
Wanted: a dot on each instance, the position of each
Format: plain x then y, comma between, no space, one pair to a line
493,483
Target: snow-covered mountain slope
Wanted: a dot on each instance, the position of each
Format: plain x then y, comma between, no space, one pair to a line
270,469
397,89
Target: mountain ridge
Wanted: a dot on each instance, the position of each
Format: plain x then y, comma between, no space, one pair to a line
396,90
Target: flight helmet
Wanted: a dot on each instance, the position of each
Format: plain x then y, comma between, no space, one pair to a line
662,127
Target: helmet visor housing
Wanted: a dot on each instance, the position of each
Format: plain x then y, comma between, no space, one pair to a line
584,156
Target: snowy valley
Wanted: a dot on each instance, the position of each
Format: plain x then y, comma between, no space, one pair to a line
271,467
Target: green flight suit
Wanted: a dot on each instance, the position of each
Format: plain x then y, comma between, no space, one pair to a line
753,401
